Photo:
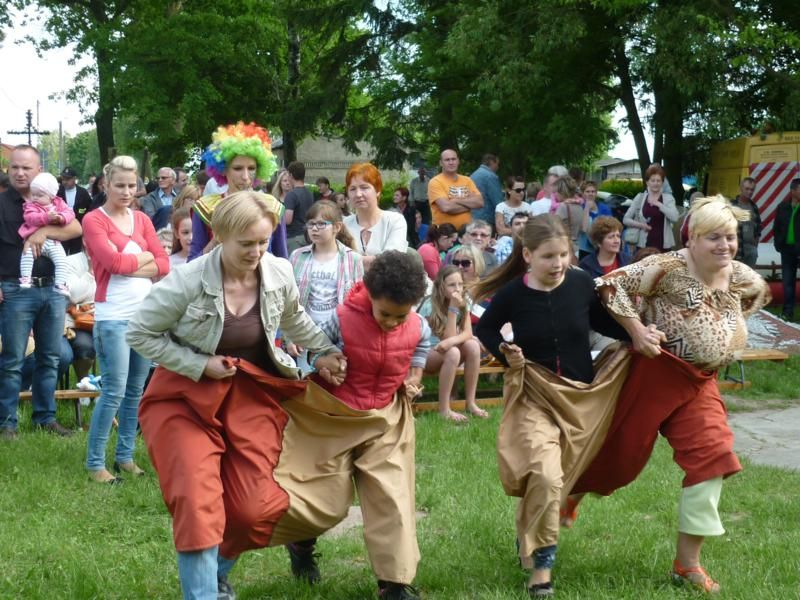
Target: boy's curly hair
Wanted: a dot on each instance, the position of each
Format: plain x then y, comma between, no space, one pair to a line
396,276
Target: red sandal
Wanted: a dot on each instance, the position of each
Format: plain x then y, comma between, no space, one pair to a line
695,577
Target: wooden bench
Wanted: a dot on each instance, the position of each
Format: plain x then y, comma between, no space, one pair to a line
74,395
732,382
493,400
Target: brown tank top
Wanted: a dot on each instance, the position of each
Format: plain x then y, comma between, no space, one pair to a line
244,337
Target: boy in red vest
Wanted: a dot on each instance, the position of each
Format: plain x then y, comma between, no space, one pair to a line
363,431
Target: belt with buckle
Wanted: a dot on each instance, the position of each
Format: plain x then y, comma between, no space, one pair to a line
38,282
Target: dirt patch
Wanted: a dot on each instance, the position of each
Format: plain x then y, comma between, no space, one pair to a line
737,404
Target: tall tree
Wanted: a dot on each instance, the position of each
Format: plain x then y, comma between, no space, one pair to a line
95,27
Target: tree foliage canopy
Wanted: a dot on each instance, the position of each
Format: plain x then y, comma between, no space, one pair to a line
534,81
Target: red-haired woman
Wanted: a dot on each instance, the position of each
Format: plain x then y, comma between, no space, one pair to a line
653,213
374,230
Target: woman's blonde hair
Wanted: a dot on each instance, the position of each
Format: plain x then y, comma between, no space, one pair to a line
277,190
440,302
240,210
119,164
189,192
537,231
475,255
712,213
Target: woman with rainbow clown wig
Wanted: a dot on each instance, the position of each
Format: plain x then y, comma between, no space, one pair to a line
237,156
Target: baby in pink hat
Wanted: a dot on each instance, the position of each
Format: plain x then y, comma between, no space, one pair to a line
42,209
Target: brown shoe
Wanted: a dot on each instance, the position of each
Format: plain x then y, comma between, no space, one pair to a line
55,428
8,433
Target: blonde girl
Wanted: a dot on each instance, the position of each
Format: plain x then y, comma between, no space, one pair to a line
447,311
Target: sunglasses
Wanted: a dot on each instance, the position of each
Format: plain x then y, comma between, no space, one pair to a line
466,263
317,225
518,190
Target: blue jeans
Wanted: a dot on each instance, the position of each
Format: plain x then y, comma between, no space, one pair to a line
123,374
22,310
789,263
199,570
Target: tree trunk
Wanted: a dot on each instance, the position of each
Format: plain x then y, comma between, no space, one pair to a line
104,117
628,100
289,142
672,120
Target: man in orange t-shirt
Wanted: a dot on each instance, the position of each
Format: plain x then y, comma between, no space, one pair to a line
452,196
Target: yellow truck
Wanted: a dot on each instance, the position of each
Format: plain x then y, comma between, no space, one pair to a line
772,160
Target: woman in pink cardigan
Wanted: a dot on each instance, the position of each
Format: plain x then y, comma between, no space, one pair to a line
126,255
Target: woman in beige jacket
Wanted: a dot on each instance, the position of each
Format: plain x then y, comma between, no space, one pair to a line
211,416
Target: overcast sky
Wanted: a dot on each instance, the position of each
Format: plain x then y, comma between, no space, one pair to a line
26,79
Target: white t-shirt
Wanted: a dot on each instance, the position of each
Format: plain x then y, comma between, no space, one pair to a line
69,196
389,233
322,292
540,207
509,211
124,294
175,260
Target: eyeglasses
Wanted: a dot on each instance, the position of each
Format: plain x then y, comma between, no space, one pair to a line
466,263
518,190
317,225
479,234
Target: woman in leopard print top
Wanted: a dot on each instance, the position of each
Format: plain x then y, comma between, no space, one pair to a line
685,312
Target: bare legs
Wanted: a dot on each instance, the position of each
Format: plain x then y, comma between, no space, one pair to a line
446,364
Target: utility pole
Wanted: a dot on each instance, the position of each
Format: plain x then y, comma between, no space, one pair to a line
29,129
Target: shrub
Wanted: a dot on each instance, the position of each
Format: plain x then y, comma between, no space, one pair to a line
625,187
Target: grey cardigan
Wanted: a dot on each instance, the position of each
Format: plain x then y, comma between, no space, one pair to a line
668,208
179,324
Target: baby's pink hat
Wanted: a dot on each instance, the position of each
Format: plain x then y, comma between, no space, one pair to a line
45,183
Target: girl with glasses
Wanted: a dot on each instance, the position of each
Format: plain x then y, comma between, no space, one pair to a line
514,203
326,269
447,311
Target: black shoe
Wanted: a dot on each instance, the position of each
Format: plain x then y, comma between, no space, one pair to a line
389,590
304,562
55,428
8,434
541,590
224,589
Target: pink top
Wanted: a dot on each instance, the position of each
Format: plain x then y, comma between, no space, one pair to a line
431,260
37,216
99,230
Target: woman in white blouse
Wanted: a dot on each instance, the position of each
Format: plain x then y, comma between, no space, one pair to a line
374,230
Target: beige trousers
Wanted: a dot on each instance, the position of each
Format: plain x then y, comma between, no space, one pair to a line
330,449
550,431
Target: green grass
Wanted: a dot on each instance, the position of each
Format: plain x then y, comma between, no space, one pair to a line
770,380
65,537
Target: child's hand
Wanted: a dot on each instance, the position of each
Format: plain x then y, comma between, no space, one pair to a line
513,354
332,367
56,219
293,349
456,299
413,390
442,347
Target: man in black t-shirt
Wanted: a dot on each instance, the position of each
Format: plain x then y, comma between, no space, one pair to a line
39,308
297,202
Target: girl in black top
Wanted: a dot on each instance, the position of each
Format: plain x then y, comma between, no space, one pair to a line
551,308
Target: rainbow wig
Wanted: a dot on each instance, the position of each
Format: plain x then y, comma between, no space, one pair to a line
239,140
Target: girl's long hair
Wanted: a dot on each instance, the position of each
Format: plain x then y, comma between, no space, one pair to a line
328,211
437,231
537,231
440,303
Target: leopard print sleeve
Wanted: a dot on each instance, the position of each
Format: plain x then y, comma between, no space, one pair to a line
627,285
750,287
